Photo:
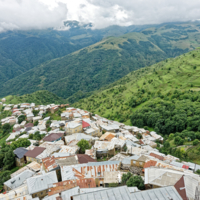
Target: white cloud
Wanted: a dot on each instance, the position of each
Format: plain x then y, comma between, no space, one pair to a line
26,14
30,14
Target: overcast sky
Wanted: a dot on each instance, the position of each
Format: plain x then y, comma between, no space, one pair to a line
34,14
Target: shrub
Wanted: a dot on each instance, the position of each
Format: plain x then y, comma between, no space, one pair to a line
195,142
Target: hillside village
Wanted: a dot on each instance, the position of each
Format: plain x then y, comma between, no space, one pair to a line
74,154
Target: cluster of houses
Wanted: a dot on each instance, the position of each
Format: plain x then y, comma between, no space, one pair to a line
53,168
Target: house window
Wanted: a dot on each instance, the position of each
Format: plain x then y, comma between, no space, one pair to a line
41,192
99,173
35,195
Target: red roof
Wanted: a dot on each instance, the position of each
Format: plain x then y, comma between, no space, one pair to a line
35,152
180,187
83,158
185,167
85,124
157,156
150,163
141,142
29,125
52,137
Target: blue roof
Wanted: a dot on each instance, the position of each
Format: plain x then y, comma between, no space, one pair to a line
19,152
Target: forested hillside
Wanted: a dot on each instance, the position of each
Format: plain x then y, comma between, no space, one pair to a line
24,50
87,70
164,96
42,97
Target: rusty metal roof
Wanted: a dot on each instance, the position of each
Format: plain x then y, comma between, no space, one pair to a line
157,156
34,166
108,136
61,186
68,184
89,170
49,163
86,183
69,149
150,163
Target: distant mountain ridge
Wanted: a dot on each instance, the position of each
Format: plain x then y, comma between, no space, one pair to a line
21,51
80,73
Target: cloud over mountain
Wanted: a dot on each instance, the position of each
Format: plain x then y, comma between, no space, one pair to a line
29,14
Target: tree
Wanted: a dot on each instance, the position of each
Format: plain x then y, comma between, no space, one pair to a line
113,184
83,144
35,112
197,135
6,128
166,145
139,136
171,136
9,159
35,123
198,171
195,142
125,177
21,142
178,140
4,176
136,181
21,118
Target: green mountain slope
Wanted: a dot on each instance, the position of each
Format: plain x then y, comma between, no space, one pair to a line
42,97
164,96
91,68
24,50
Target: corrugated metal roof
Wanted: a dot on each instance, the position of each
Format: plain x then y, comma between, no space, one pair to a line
19,152
69,160
164,193
118,157
127,161
49,163
35,152
177,164
33,166
69,149
53,137
66,195
83,158
103,145
41,182
89,170
108,136
57,155
191,184
87,190
78,136
113,177
53,197
157,156
61,186
180,188
17,192
161,177
119,193
133,189
19,179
